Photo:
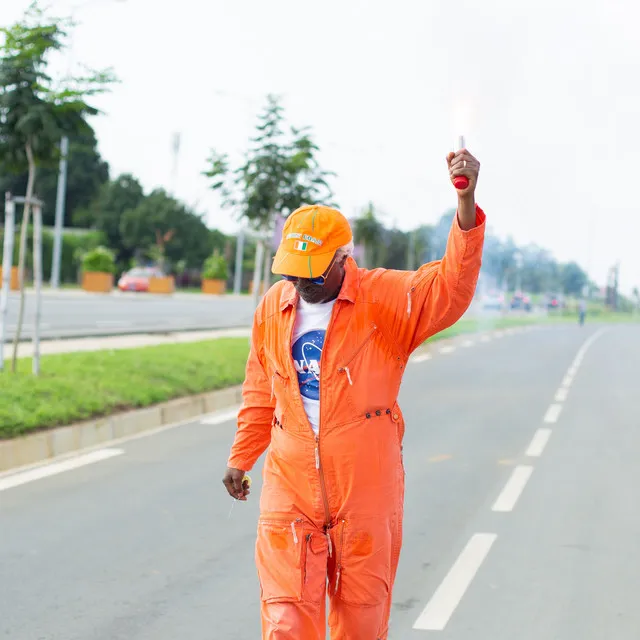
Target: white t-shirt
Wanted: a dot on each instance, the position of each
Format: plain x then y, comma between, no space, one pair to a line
306,348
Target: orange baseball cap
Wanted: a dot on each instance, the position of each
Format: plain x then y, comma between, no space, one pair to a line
310,238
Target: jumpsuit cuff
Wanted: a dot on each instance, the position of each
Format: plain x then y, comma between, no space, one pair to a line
478,229
235,462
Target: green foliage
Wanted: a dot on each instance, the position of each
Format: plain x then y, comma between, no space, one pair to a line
86,173
100,260
74,244
105,212
215,268
35,110
368,231
280,172
158,214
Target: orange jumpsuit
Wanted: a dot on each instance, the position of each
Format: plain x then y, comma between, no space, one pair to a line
331,507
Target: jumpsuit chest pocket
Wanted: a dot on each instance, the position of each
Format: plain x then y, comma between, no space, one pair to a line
359,347
292,561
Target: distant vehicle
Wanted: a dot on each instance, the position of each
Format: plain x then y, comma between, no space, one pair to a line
555,301
521,301
493,300
137,279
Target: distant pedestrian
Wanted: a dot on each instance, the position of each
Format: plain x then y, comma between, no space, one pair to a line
582,311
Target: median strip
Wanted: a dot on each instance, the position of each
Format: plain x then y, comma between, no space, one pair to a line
82,386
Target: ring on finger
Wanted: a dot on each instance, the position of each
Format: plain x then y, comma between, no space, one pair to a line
464,164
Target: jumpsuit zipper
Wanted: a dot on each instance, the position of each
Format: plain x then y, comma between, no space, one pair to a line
323,486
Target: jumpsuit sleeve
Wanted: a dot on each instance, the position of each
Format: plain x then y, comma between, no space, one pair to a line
256,414
418,304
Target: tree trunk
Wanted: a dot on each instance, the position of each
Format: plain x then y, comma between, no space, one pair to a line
24,228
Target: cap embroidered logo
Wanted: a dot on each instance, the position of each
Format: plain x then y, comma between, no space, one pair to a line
300,246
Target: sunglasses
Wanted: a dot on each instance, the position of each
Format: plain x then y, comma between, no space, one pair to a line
320,280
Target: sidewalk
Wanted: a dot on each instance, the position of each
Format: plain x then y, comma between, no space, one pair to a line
48,347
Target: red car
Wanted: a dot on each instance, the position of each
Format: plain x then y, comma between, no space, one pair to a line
137,279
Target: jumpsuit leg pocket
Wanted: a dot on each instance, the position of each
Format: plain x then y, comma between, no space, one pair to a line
363,572
291,561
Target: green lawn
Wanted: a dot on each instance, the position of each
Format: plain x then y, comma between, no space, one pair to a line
488,323
78,386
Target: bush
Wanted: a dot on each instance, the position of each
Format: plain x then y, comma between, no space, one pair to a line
100,260
215,268
74,244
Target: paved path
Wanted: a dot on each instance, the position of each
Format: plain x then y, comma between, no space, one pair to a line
106,343
521,457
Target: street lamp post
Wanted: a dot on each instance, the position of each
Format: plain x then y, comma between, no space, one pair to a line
60,202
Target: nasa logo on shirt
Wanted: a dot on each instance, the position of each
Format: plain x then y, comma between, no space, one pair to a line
307,351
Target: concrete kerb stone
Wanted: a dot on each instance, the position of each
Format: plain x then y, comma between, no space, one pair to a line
65,441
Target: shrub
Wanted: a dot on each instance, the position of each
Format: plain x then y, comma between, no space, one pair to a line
215,268
99,259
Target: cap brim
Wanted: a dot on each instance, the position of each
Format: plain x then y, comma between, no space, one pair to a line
299,265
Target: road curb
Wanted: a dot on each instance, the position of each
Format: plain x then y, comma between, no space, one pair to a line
54,443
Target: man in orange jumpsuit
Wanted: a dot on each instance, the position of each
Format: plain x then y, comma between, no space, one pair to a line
329,346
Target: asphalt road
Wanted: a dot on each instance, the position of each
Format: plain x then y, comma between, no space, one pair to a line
521,521
76,314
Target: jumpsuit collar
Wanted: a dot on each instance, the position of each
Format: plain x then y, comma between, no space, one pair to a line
348,291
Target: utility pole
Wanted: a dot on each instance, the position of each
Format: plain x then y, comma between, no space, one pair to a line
237,276
59,223
7,263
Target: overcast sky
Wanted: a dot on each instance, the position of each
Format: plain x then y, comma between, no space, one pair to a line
547,94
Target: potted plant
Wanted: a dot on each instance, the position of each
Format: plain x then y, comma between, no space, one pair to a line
161,283
14,285
98,266
214,274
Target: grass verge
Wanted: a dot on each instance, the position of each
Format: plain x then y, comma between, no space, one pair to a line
79,386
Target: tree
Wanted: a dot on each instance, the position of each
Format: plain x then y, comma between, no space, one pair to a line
106,211
162,228
86,173
280,173
369,233
35,113
573,279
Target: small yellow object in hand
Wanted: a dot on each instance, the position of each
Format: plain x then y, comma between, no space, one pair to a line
247,479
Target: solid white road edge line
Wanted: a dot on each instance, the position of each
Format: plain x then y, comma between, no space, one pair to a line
118,441
444,601
553,413
538,443
220,416
515,485
18,479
